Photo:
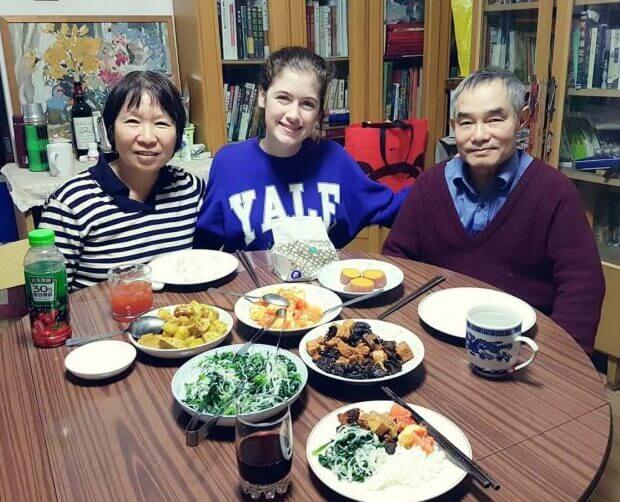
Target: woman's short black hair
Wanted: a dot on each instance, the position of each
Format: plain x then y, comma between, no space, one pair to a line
129,90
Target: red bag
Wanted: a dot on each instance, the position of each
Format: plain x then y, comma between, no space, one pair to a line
391,153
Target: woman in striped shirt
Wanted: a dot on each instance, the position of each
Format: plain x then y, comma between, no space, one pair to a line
135,207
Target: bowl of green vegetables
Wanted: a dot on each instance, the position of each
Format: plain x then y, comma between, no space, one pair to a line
257,384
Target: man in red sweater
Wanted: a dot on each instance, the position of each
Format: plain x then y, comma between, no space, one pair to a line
496,214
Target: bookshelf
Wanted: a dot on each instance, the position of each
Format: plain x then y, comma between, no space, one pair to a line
516,36
584,122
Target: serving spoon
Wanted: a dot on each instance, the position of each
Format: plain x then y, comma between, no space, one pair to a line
141,326
270,298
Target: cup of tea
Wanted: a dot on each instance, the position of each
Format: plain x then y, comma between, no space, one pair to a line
265,454
493,340
60,158
130,291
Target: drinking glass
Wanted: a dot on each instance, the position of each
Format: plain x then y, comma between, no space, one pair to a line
264,453
130,291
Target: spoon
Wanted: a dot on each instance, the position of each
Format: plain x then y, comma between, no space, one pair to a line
141,326
271,298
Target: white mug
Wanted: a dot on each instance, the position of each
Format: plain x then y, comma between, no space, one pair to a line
60,158
493,340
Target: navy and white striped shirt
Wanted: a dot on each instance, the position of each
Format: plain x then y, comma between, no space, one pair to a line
98,226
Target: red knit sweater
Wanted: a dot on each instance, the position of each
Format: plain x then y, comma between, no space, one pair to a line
538,247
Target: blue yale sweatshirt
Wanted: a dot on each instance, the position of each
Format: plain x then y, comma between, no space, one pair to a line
249,189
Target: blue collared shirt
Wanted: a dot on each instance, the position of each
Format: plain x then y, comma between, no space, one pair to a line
474,209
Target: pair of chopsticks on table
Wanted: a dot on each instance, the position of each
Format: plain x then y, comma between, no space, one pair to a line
242,257
412,296
456,455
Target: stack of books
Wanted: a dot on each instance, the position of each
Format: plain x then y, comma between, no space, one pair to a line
401,92
242,114
326,27
595,53
243,29
511,44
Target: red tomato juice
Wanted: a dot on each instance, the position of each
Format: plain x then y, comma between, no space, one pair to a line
131,300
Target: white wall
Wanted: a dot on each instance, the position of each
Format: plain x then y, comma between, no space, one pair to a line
75,8
86,7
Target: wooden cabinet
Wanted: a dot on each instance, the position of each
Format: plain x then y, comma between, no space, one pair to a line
586,123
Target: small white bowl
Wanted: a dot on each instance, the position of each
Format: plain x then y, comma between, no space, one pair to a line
98,360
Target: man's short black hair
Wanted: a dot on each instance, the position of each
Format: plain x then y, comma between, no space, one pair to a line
161,91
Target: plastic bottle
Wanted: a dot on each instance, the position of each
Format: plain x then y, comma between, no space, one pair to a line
46,290
93,152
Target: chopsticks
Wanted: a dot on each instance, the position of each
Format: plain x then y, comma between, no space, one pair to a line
456,455
248,266
413,295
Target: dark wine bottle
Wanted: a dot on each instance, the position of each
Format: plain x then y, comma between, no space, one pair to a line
81,118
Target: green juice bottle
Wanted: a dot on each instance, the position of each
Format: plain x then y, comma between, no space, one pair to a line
46,290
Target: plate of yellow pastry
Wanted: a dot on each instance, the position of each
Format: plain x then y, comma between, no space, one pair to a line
360,276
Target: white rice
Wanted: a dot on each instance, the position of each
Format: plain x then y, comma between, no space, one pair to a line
412,468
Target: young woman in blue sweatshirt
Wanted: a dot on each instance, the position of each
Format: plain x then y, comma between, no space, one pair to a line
289,172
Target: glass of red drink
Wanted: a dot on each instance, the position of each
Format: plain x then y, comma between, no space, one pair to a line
265,454
130,291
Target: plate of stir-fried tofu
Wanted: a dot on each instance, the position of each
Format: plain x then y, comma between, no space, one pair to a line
361,351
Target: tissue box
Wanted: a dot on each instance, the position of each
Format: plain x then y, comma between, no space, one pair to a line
301,260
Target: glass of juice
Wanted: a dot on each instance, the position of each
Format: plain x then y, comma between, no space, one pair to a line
130,291
265,454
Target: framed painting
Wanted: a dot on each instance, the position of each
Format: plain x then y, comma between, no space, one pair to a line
42,53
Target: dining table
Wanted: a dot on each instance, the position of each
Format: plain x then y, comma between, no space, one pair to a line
543,434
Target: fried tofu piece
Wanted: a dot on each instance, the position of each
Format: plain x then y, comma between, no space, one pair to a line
404,351
379,423
345,329
332,342
342,360
313,347
378,356
345,349
361,349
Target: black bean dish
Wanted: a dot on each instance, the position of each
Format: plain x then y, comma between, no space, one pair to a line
352,350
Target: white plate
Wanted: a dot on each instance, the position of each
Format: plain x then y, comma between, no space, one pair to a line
383,329
446,310
315,295
329,276
189,371
192,266
98,360
188,352
447,478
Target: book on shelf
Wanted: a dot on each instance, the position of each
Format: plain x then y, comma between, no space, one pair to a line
511,44
402,95
580,139
243,29
242,116
326,27
595,52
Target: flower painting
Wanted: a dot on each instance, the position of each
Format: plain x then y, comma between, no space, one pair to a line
46,54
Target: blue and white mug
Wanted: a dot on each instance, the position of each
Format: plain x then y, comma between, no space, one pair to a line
493,340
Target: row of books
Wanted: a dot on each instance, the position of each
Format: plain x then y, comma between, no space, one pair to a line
242,114
326,27
401,92
337,97
404,39
595,53
511,44
243,29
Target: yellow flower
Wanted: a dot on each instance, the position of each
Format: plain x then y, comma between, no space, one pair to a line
72,52
29,59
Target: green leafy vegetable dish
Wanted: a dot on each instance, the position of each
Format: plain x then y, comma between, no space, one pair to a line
252,382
